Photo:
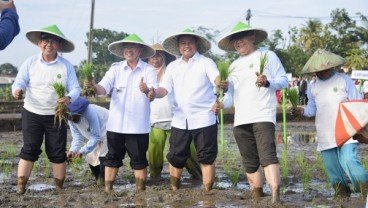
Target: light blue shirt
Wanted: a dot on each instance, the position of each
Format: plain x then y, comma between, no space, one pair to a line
36,77
91,126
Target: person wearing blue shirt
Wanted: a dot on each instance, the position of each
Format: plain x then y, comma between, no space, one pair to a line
89,121
36,78
9,24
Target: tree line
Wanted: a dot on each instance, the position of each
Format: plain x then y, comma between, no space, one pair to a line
342,36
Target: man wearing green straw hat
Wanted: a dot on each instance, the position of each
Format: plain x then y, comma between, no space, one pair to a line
128,125
192,79
324,97
36,77
161,116
256,76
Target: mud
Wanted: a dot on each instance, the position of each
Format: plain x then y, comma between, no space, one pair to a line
80,189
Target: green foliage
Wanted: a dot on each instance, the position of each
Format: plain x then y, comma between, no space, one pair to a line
293,96
306,169
263,61
284,163
8,69
87,71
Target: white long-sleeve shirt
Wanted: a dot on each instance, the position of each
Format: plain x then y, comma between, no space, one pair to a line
252,103
324,97
192,83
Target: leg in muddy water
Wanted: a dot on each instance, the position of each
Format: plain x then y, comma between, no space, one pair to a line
175,175
208,172
192,165
256,184
140,179
341,191
110,175
24,171
95,171
272,173
59,170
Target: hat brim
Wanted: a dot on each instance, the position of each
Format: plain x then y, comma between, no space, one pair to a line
226,44
170,43
35,36
116,48
322,60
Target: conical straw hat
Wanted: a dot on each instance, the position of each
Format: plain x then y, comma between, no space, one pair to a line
116,47
226,44
322,60
170,43
168,57
35,36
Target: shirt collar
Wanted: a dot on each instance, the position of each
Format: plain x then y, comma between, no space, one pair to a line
195,57
43,61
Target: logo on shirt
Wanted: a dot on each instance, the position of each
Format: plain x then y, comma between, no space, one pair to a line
59,76
251,66
335,89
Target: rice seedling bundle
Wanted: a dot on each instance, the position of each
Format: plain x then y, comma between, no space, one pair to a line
87,76
61,109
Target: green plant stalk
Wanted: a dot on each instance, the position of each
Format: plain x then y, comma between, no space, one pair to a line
263,60
284,116
284,163
222,122
61,109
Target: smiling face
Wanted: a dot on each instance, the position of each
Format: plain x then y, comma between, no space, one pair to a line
187,46
49,46
156,60
132,52
244,42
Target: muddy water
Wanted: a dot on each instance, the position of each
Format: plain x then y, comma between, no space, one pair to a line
231,188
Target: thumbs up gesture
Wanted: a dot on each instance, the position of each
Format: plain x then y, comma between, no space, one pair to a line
143,87
151,94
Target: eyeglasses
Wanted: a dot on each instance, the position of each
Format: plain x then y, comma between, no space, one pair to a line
50,40
131,47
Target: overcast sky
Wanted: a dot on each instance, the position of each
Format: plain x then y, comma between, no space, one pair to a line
155,20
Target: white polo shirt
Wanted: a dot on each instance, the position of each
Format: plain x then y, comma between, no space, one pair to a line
193,85
129,107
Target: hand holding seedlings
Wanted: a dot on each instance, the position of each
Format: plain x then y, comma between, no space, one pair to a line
261,80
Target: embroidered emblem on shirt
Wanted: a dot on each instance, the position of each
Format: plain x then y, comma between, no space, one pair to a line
59,76
335,89
251,66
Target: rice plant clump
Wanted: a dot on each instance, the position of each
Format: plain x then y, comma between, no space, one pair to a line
87,77
61,109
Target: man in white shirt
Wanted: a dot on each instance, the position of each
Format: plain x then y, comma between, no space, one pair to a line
128,125
192,78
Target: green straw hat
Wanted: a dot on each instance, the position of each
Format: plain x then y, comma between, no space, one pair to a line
35,36
171,43
168,57
116,47
322,60
226,44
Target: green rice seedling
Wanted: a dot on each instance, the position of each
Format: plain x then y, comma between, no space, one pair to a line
293,96
305,169
34,168
11,152
263,61
284,163
2,159
224,71
87,71
364,161
61,109
319,163
76,166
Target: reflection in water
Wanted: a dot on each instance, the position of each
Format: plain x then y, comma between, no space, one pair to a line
297,137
